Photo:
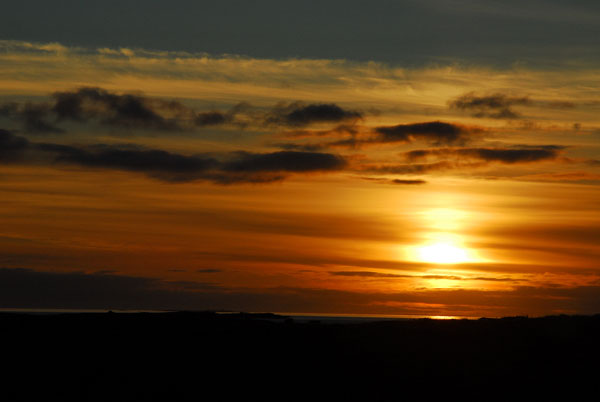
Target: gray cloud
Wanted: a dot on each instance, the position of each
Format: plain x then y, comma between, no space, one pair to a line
33,116
502,155
128,110
434,132
290,161
496,106
229,168
298,114
136,111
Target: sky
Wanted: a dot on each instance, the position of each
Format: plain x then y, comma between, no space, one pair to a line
436,158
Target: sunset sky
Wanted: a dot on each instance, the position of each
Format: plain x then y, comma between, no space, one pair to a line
432,157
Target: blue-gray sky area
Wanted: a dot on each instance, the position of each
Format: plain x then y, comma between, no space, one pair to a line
408,32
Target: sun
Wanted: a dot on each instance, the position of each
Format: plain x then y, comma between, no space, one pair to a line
443,248
442,253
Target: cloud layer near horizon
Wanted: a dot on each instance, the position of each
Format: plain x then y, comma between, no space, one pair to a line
25,288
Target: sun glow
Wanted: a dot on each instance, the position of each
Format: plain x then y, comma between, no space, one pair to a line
443,248
442,253
443,242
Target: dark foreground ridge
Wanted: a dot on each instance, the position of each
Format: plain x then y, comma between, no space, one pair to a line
207,356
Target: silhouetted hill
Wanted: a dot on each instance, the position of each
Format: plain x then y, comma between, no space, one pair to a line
205,356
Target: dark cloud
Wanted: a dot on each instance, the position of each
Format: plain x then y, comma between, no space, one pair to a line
211,119
408,182
139,112
463,158
298,114
28,288
230,168
289,161
434,132
126,111
208,271
155,163
372,274
395,181
25,288
12,147
492,279
289,146
34,117
368,274
502,155
414,168
496,106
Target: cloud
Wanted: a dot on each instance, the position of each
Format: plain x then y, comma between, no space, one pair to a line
368,274
289,161
496,106
208,271
290,146
298,114
136,111
34,117
214,118
126,111
234,167
395,181
372,274
578,176
111,109
408,182
415,168
26,288
12,148
434,132
340,130
502,155
462,158
159,164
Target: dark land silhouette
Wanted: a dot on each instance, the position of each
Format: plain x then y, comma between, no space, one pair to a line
192,356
